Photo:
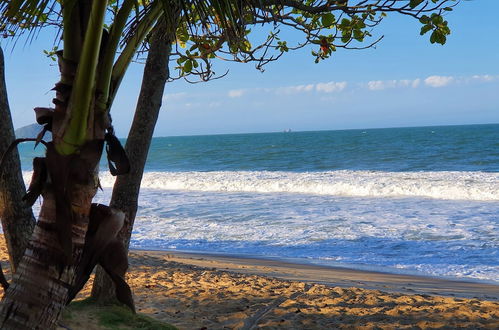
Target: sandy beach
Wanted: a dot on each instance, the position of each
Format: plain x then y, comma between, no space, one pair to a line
194,291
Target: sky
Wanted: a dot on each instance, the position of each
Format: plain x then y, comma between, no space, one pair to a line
403,81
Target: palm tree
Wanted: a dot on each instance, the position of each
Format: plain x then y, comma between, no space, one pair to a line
71,234
52,265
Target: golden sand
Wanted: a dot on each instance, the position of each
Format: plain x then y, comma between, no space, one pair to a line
215,293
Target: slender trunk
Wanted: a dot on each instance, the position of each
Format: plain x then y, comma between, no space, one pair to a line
62,251
48,270
17,218
28,304
126,188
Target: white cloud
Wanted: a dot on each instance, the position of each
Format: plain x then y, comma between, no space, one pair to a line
414,83
378,85
294,89
233,93
484,78
331,87
328,87
438,81
430,81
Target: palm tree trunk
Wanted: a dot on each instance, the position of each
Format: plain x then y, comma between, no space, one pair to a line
27,303
126,188
17,218
48,270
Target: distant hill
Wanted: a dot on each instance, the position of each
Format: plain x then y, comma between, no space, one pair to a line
31,131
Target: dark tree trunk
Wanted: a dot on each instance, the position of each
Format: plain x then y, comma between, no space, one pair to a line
17,218
47,273
126,188
40,286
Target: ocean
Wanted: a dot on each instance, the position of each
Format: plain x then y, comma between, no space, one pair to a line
421,201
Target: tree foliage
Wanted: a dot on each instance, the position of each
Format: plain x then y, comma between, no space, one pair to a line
99,40
209,30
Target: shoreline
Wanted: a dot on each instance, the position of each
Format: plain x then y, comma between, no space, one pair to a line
195,291
338,266
200,291
333,276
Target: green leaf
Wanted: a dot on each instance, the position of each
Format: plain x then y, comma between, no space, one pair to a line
414,3
327,20
433,37
440,38
358,35
245,46
425,29
424,19
345,22
437,19
188,66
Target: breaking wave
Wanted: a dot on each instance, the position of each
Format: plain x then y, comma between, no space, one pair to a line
483,186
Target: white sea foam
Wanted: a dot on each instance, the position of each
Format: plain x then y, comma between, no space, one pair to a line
439,185
433,236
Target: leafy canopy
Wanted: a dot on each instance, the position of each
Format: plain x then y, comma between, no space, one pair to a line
204,30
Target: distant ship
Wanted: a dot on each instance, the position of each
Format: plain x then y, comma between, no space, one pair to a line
288,130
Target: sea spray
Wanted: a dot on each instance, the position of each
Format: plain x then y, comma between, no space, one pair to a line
419,200
479,186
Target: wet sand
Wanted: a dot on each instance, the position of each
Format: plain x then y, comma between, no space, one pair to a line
197,291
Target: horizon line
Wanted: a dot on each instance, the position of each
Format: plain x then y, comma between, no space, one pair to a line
321,130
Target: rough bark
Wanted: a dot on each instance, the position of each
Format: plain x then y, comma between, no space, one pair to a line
126,188
17,218
28,304
48,270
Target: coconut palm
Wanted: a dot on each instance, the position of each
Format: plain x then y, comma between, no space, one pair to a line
58,257
72,234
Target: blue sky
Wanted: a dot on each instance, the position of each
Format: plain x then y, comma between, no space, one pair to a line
404,81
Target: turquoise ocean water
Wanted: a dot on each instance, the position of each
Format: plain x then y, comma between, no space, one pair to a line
411,200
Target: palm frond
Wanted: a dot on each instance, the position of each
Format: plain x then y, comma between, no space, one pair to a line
19,16
229,16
